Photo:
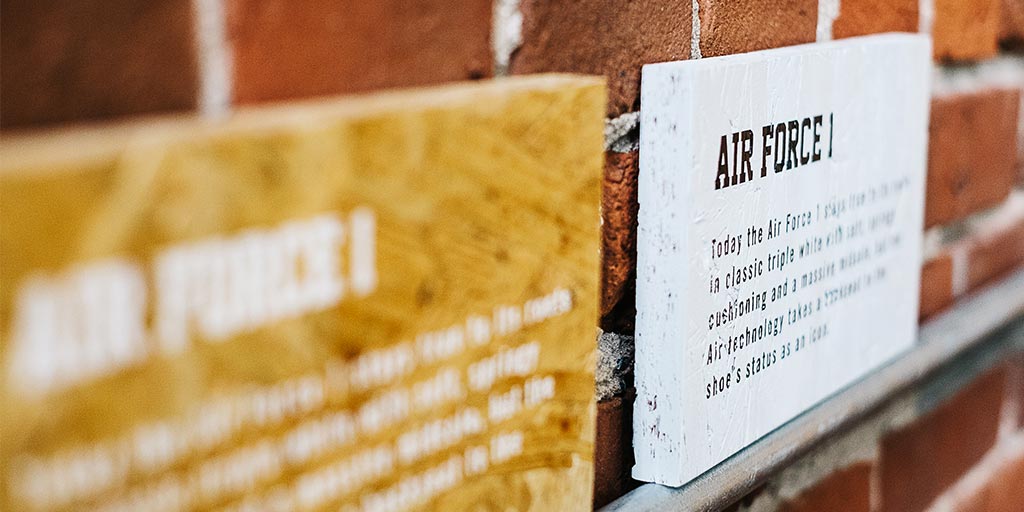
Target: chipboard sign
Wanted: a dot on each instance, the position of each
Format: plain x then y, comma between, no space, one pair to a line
367,305
780,226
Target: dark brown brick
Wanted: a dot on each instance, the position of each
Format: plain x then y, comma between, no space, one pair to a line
971,153
603,37
936,285
1011,31
291,49
966,30
613,449
71,60
862,17
622,317
618,209
847,489
921,460
738,26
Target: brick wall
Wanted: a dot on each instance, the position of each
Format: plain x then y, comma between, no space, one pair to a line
84,60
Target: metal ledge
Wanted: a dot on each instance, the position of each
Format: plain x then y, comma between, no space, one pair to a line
941,339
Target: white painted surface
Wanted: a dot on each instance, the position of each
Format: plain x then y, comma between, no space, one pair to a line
876,89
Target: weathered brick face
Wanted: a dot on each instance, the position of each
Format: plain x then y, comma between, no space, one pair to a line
971,153
288,49
862,17
619,209
738,26
613,463
848,489
966,29
73,60
603,37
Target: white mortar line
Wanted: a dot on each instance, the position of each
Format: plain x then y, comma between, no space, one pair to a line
1008,414
1003,72
616,133
216,68
959,254
976,227
925,16
932,243
1020,124
507,33
828,11
997,220
1005,452
695,31
875,486
1011,411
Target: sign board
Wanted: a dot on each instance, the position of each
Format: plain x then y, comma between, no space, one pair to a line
374,304
779,244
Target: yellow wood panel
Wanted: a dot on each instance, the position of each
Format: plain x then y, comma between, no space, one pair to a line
259,313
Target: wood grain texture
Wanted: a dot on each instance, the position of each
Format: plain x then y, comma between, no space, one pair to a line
483,195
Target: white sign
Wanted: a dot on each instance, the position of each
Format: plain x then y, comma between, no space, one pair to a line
781,202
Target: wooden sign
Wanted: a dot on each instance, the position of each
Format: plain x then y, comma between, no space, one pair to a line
376,304
779,244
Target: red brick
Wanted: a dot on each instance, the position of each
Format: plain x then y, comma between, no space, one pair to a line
862,17
966,29
613,449
1003,492
919,461
1012,28
603,37
971,153
936,285
847,489
618,209
290,49
1006,490
738,26
70,60
993,255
